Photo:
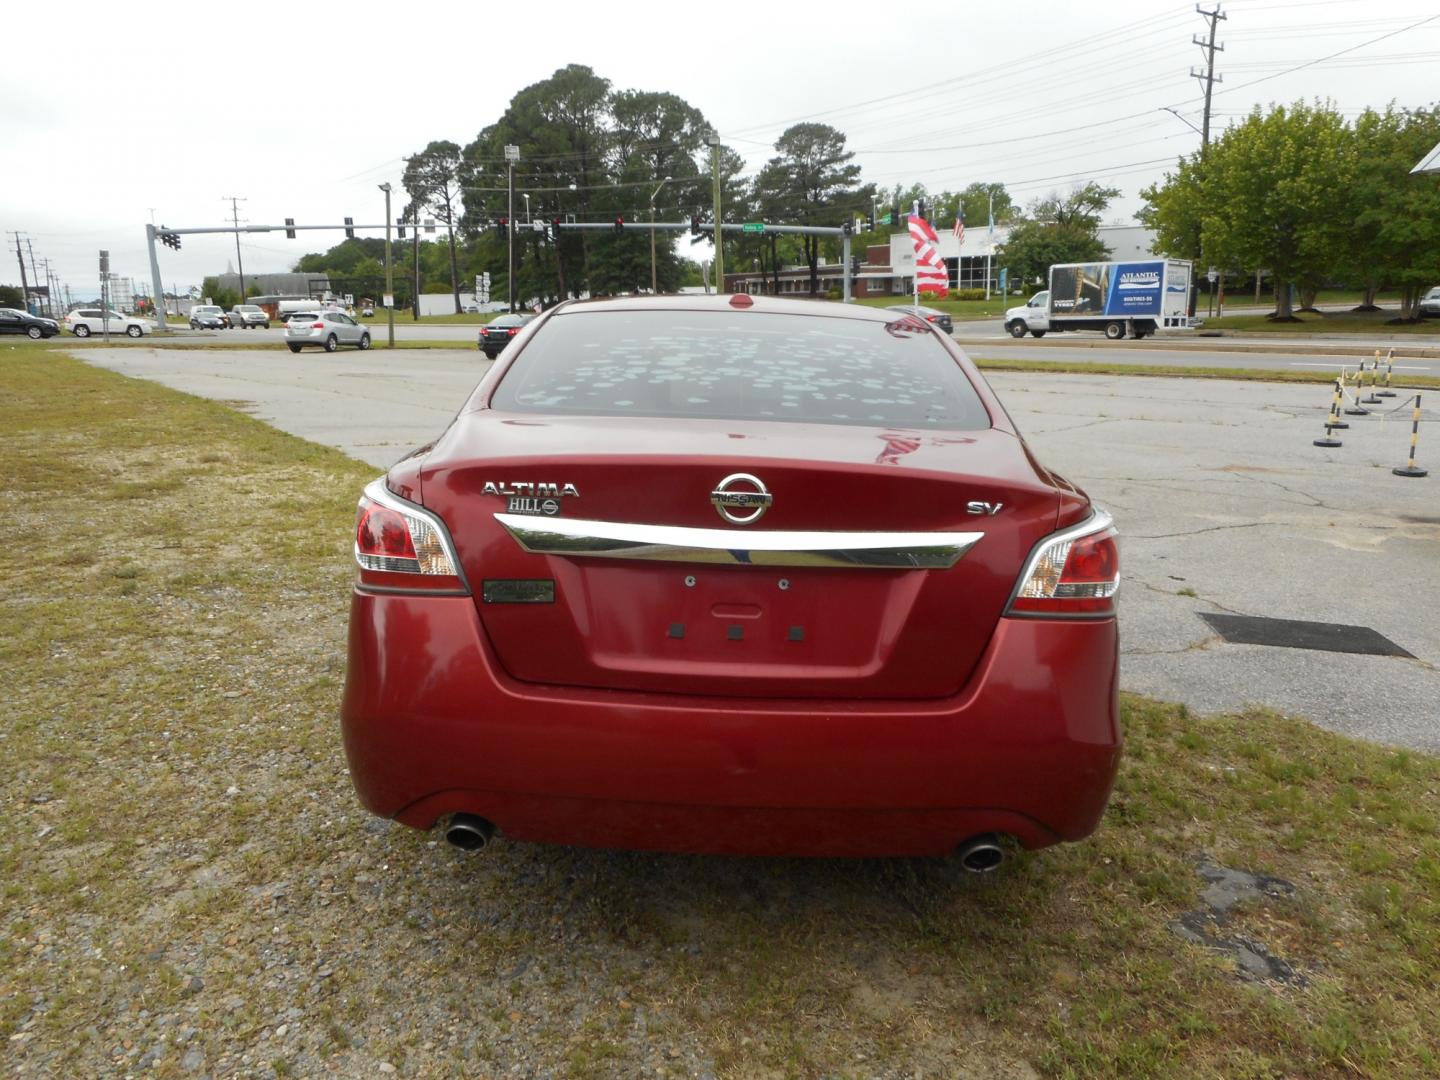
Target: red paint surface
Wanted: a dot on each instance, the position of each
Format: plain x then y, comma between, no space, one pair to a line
433,725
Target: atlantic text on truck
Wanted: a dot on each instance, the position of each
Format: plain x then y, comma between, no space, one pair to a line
1121,299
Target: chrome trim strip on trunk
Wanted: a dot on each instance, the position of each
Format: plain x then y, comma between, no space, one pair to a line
675,543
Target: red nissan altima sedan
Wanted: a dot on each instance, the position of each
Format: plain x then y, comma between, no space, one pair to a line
734,575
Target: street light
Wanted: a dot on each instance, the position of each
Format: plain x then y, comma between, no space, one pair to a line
712,140
653,287
389,280
526,196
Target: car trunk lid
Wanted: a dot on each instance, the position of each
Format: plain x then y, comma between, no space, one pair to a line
706,606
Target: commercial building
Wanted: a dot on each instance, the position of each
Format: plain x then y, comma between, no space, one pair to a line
888,269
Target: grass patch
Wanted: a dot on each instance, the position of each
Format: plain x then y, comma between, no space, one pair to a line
1332,322
185,867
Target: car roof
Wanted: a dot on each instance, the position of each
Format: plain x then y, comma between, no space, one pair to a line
726,302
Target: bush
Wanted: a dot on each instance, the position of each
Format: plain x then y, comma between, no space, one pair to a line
967,294
832,294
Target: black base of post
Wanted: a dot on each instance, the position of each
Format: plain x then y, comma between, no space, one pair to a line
1328,442
1384,393
1410,470
1357,411
1371,400
1337,425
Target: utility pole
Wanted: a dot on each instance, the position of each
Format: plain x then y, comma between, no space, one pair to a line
34,273
712,139
24,281
235,201
415,253
1208,76
389,275
653,288
512,155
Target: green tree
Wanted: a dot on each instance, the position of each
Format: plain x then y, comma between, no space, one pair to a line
433,181
1394,234
11,296
978,200
1271,192
1060,228
562,128
821,184
226,298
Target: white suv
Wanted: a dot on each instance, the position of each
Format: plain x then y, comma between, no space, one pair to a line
86,321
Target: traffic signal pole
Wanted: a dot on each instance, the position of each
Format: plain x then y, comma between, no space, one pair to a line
157,284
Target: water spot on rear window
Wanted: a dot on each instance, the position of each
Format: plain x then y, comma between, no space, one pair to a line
722,365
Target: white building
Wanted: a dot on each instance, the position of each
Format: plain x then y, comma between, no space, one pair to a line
966,259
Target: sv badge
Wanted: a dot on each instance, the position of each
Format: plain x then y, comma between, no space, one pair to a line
989,509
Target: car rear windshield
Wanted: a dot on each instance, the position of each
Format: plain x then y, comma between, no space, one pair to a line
742,365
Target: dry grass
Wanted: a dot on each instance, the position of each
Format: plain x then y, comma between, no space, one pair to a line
188,882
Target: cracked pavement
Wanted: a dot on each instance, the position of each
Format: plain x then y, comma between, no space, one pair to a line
1217,490
1215,487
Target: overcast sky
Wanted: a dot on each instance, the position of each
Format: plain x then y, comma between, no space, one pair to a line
304,113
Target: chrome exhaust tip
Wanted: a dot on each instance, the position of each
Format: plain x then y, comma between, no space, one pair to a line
981,854
468,832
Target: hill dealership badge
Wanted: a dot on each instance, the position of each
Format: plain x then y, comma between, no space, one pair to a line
523,497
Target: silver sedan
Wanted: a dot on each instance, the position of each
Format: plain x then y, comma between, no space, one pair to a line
327,329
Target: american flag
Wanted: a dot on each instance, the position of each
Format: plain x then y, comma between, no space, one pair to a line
959,229
930,272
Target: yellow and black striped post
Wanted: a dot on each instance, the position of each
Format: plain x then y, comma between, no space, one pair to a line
1333,421
1410,468
1357,409
1374,379
1389,368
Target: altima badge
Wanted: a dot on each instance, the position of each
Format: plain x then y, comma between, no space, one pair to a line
527,497
741,491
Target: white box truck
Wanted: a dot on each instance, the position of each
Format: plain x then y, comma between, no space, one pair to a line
1122,299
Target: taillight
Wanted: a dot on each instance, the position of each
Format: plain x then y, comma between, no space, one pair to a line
511,332
317,326
932,318
400,546
1074,572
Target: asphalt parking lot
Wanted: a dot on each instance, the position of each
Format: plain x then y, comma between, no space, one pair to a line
1223,504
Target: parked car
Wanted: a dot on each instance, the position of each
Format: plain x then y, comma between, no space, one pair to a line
208,317
929,314
327,329
734,575
496,334
35,327
82,322
1430,304
248,316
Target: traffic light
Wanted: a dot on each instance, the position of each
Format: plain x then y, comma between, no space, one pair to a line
870,221
694,224
895,218
619,223
502,226
169,239
289,228
847,227
349,232
921,209
400,225
555,230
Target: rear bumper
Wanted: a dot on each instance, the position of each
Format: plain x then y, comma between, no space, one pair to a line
433,726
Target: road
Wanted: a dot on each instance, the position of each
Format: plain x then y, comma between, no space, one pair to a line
1223,503
990,340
